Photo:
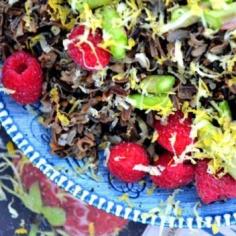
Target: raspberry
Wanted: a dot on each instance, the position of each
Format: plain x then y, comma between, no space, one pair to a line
123,158
210,188
23,74
84,49
174,126
173,175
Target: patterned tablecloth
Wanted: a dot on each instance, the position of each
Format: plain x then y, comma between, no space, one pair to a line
21,214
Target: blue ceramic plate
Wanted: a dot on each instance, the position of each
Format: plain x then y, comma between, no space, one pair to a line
22,125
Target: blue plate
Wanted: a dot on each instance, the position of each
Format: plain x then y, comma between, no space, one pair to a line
106,193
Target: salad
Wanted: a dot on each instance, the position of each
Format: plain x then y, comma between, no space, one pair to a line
152,83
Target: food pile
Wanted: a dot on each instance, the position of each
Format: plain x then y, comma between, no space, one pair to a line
151,82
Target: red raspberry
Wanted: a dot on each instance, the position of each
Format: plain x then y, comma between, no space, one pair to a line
173,175
84,49
210,188
23,74
123,157
174,126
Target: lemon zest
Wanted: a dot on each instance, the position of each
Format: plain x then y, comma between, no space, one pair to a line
91,229
21,231
10,148
92,21
232,82
215,228
61,13
125,198
230,64
63,118
130,12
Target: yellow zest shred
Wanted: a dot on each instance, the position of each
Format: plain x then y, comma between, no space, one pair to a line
153,24
215,228
231,63
28,18
203,92
91,229
232,82
125,198
63,118
61,13
196,9
130,12
133,78
34,40
54,95
131,43
161,60
21,231
10,148
119,76
92,21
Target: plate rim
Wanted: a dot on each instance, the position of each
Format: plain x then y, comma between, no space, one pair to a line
111,207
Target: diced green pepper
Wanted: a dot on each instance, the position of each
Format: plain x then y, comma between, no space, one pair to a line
216,18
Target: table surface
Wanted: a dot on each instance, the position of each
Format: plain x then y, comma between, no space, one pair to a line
11,225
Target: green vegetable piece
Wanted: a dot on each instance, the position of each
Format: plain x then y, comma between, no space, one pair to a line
231,169
98,3
33,199
213,1
157,103
216,18
178,12
183,17
93,4
34,230
55,216
156,84
111,25
224,109
209,131
180,18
